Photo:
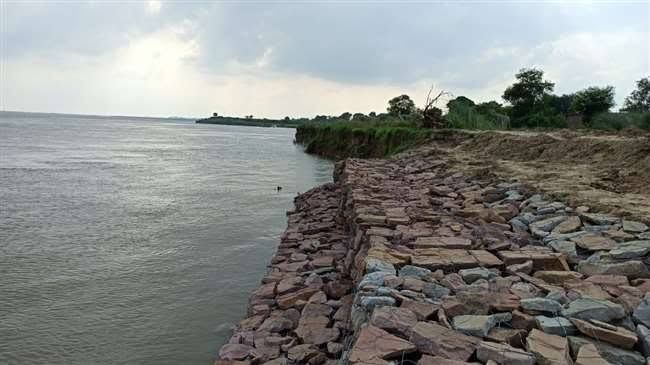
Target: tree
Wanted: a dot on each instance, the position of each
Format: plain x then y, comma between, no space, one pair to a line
460,102
287,118
215,115
593,100
401,106
359,117
639,99
432,115
526,95
372,115
345,116
560,104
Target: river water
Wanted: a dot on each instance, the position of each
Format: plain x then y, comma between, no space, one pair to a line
136,241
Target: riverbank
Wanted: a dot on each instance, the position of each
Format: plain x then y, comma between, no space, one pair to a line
413,260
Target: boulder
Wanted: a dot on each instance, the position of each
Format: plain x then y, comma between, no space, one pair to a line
588,355
477,325
630,250
599,219
541,305
587,308
435,291
594,242
618,336
302,353
598,264
557,277
611,354
418,272
548,224
642,312
375,265
503,354
374,346
434,339
548,349
471,275
422,310
571,224
643,334
232,351
394,320
634,227
558,326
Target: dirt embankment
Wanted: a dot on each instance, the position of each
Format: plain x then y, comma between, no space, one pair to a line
601,170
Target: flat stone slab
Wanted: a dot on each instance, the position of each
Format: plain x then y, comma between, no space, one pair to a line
374,346
548,349
541,260
442,242
434,339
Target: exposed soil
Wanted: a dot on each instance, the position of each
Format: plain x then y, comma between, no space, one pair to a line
607,171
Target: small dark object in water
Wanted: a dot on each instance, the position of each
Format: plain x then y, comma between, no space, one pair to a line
278,188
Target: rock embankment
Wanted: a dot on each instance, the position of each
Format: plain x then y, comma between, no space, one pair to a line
402,261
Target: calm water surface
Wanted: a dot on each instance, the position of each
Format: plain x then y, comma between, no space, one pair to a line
133,241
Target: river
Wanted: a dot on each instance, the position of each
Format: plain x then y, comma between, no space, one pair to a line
136,241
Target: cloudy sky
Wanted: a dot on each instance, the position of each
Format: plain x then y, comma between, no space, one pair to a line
270,58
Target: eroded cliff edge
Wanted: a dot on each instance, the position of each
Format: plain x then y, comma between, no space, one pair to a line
409,261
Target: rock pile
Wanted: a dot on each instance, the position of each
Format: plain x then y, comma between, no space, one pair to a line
299,314
403,262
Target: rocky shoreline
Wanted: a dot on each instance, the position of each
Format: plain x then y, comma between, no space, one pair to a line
403,261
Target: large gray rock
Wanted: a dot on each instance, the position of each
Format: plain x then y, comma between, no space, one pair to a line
600,310
566,247
630,249
477,325
548,224
642,312
371,303
556,326
634,227
415,271
503,354
374,265
644,339
541,305
610,353
471,275
600,264
435,291
374,279
599,219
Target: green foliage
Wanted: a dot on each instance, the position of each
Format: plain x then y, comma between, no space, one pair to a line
401,106
465,114
618,121
526,95
360,117
593,100
559,104
639,99
370,139
345,116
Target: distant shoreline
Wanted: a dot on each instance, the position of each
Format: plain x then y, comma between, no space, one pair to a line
252,122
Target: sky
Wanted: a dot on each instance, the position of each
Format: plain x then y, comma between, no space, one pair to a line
289,58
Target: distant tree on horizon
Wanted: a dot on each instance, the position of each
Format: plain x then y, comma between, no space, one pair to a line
593,100
527,96
639,99
401,106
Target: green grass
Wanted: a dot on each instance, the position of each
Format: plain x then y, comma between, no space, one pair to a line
352,139
619,121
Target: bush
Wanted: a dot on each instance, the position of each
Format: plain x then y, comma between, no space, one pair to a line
618,121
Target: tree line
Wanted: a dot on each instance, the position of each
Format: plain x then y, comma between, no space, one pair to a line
529,103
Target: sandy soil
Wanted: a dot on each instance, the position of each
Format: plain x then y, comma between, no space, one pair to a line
608,172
